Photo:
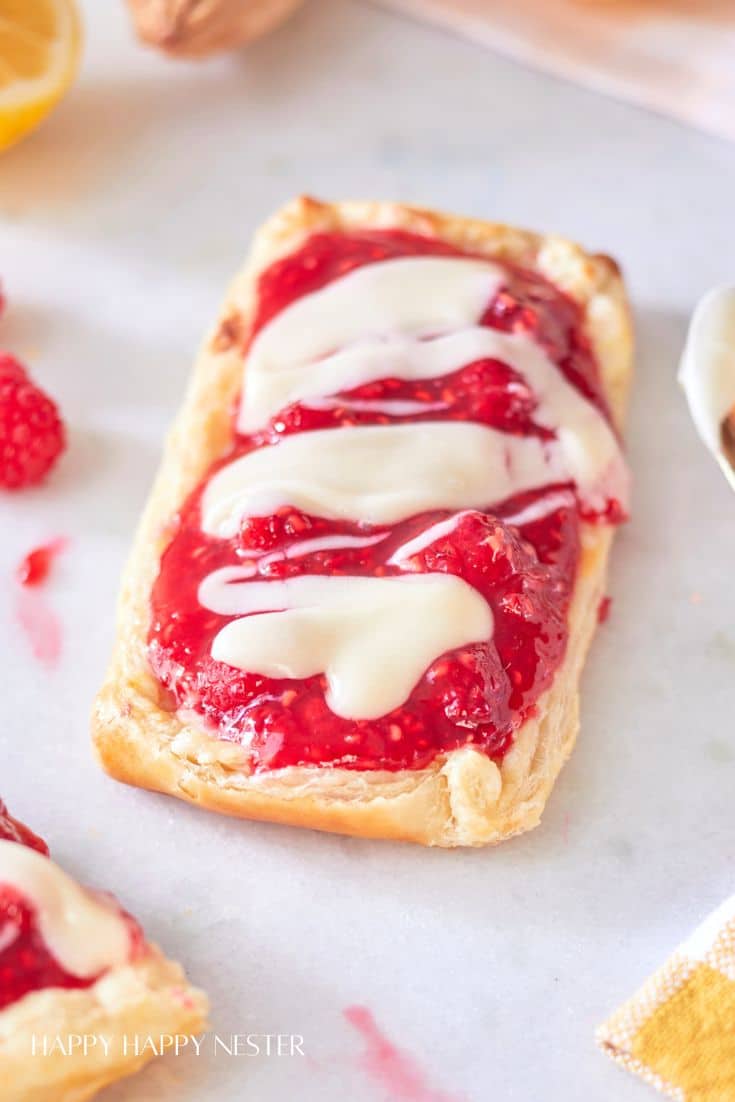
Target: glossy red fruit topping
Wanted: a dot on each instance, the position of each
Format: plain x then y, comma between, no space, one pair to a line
14,831
603,610
26,963
476,695
524,567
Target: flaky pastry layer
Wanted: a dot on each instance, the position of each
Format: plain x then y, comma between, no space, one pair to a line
148,998
463,798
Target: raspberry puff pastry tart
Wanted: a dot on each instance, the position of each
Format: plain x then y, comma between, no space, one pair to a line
74,964
365,582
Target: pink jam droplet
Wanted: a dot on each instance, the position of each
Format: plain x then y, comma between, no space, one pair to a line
389,1067
40,625
603,610
35,567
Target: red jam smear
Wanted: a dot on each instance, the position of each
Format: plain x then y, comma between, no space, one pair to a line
603,610
12,830
35,567
477,695
26,963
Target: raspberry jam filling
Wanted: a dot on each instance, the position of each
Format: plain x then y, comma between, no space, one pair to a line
26,963
12,830
521,555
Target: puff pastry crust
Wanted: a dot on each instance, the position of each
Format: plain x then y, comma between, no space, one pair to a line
150,997
463,798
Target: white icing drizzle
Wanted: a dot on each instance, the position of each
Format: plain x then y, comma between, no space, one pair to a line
707,371
537,510
410,319
84,933
380,305
380,474
334,542
391,407
372,638
425,539
540,508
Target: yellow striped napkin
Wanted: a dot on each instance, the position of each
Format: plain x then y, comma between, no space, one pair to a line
678,1031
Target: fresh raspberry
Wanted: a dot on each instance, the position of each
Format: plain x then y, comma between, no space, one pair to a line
31,431
10,368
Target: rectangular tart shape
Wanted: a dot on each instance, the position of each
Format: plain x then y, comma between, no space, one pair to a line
463,796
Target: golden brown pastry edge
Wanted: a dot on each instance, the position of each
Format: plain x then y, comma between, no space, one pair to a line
146,998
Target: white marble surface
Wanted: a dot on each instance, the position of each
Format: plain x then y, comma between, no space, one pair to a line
121,222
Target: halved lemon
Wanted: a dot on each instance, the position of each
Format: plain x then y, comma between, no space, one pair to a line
39,52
